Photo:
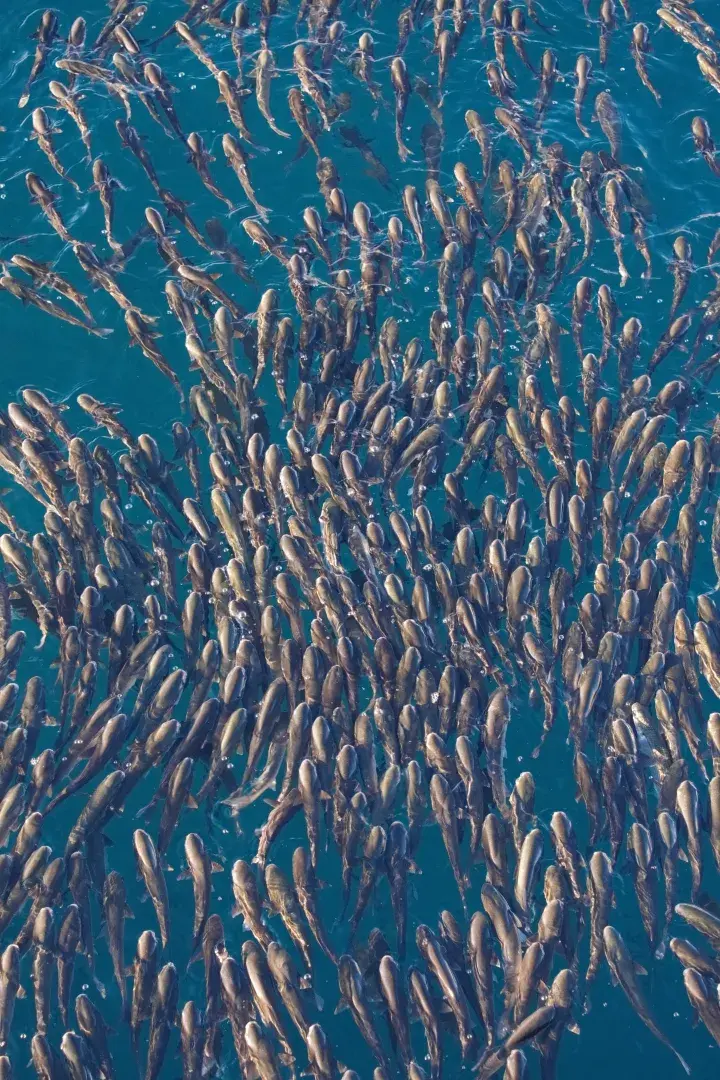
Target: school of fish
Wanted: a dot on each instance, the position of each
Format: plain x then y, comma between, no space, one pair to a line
312,626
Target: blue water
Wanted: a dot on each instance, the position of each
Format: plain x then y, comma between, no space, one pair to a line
63,361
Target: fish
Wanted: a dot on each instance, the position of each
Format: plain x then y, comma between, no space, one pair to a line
119,88
613,209
45,34
354,997
263,994
44,943
305,887
583,71
639,48
699,996
71,103
200,868
624,972
709,69
533,1026
43,132
142,335
162,95
704,142
200,158
264,73
144,974
44,276
93,1030
433,953
186,35
164,1007
310,83
609,120
152,874
401,86
115,911
238,162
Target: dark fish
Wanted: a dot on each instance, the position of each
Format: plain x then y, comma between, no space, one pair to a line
624,972
115,910
45,35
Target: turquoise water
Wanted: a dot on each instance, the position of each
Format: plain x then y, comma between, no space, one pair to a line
64,361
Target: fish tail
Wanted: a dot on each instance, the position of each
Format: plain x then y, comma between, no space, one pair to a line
680,1058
